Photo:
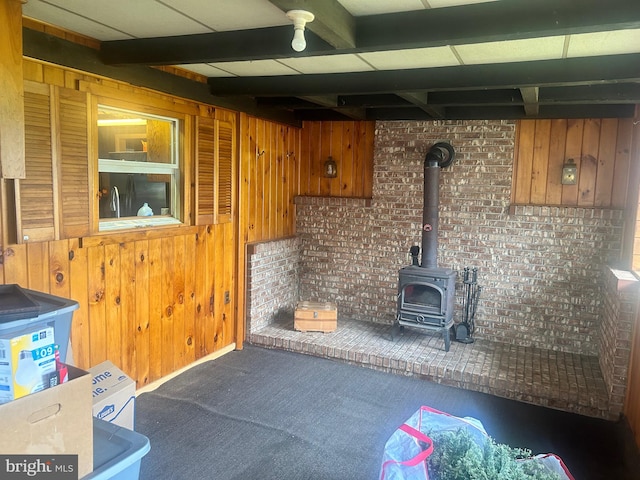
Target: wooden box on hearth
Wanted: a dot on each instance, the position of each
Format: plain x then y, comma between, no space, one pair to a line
316,317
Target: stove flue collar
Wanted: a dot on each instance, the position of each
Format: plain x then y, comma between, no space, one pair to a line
441,154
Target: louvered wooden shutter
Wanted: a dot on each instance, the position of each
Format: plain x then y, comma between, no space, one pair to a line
74,163
214,171
52,201
205,166
225,171
35,193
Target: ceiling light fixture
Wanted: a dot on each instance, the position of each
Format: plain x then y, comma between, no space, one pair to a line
299,18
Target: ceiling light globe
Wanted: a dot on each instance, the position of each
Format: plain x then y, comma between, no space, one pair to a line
299,18
298,43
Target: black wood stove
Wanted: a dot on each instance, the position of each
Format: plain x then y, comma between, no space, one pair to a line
426,293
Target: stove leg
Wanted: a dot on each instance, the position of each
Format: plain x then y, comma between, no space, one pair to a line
447,339
396,330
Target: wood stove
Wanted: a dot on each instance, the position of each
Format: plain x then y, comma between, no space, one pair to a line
426,299
426,293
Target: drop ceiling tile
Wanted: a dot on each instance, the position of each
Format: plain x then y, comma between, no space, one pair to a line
75,23
140,19
453,3
206,70
327,64
414,58
359,8
367,7
224,15
512,51
255,68
604,43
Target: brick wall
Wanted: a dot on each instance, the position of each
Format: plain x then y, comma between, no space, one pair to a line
540,267
616,333
272,281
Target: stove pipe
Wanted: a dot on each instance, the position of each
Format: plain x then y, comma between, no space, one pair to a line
441,155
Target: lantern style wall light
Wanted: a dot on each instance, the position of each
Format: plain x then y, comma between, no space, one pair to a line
330,168
569,173
299,18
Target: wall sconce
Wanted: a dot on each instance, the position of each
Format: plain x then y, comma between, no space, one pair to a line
330,168
299,18
569,173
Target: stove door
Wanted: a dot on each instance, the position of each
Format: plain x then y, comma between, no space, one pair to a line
421,297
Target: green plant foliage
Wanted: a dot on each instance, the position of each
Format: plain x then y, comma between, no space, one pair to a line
456,456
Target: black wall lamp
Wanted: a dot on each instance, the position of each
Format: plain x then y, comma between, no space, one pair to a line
569,173
330,168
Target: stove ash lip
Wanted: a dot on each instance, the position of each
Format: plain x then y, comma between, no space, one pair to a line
420,271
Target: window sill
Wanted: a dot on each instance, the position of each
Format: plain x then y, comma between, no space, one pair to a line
137,222
131,234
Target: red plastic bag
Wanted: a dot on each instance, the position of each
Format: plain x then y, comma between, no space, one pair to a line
407,450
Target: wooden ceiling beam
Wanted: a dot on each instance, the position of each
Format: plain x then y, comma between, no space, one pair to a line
326,101
331,102
551,73
613,93
241,45
464,24
530,98
493,21
420,101
497,112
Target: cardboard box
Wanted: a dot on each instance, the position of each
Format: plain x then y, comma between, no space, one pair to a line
54,421
27,360
114,395
316,317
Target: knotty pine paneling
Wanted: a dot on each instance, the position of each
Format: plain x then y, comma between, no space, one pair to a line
150,302
147,305
350,144
599,147
12,141
268,182
269,166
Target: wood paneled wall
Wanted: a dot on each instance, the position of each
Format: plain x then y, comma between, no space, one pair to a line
150,305
278,162
269,163
150,301
350,144
632,401
599,147
268,182
11,107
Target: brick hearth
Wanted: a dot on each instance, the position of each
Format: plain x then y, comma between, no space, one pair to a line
564,381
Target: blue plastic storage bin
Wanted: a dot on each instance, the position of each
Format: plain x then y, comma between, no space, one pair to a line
117,452
51,311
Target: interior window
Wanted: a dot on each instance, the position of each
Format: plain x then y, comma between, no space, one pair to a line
138,169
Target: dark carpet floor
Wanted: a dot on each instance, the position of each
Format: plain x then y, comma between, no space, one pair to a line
270,414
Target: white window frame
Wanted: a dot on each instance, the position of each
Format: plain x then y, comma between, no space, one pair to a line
107,165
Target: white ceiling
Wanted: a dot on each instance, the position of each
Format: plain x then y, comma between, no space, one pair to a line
127,19
462,59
